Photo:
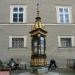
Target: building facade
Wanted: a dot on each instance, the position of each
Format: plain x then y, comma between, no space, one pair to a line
16,19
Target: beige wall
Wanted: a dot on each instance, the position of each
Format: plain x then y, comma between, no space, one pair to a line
48,15
53,51
47,9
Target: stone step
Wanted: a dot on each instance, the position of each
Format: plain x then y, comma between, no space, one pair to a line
52,73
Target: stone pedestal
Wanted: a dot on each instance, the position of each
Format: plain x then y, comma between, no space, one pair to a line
39,70
53,73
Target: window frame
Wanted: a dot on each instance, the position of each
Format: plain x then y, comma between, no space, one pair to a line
59,41
69,13
11,37
24,13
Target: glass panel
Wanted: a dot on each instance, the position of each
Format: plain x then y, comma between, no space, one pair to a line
15,20
66,10
67,18
20,19
21,9
35,43
42,45
42,38
15,9
15,15
39,51
21,15
42,50
61,18
42,41
35,51
21,42
35,47
61,10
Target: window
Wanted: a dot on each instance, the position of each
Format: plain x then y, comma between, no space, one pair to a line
18,14
64,14
66,41
17,41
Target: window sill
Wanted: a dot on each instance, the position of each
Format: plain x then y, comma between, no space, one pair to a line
66,47
18,48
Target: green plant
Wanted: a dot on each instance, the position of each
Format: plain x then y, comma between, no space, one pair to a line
1,64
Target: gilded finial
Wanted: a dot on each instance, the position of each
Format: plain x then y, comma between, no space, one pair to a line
38,23
37,9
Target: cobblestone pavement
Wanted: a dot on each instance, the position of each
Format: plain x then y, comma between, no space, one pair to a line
49,73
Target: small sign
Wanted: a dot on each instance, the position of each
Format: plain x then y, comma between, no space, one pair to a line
5,72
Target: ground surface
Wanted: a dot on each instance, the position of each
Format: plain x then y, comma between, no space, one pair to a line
58,72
